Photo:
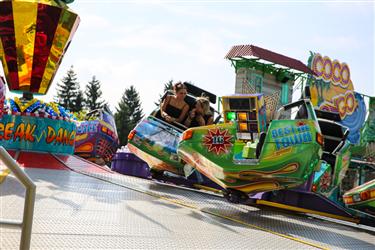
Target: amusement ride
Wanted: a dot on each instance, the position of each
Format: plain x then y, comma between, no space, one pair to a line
311,155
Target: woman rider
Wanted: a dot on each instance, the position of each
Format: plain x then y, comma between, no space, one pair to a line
174,108
201,115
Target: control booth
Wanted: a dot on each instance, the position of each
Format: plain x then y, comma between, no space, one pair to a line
248,111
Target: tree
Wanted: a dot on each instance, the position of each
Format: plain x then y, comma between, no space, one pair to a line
128,113
67,91
79,102
93,95
167,86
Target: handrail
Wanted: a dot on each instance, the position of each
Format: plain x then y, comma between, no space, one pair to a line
28,210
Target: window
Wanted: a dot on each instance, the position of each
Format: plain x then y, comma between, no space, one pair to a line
284,93
158,135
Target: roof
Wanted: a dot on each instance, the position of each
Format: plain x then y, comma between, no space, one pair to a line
252,51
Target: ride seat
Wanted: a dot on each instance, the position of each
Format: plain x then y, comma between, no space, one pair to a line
330,159
190,100
258,150
334,139
334,135
302,113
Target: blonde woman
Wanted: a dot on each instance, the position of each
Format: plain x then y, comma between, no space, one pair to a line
201,115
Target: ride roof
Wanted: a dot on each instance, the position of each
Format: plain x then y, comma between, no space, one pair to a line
252,52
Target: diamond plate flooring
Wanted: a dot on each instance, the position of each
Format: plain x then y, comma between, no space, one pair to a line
89,210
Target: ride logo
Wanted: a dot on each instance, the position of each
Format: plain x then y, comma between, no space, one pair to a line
291,135
37,134
22,131
26,132
62,136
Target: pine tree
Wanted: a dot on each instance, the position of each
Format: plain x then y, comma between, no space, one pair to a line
68,89
93,95
128,113
167,86
79,102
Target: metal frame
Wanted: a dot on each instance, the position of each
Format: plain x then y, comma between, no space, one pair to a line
28,210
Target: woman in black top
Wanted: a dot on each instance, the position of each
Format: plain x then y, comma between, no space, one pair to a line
174,108
201,115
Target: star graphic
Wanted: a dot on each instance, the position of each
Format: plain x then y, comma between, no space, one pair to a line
300,123
217,141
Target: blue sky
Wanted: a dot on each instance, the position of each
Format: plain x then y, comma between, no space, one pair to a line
146,43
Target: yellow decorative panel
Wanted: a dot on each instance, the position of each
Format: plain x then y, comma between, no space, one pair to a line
25,17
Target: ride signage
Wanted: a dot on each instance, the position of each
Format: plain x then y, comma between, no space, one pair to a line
291,135
37,134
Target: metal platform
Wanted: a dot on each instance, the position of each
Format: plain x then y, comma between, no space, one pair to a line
83,208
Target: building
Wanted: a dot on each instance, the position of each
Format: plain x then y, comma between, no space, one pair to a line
262,71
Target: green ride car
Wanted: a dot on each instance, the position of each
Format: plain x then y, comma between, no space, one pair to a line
245,156
155,141
362,197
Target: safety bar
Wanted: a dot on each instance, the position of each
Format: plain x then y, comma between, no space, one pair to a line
28,210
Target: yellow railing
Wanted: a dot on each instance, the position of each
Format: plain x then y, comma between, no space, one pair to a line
28,210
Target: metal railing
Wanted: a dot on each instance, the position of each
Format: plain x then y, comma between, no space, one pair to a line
28,210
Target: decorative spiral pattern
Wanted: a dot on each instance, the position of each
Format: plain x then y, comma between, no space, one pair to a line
335,72
327,68
318,65
355,120
345,74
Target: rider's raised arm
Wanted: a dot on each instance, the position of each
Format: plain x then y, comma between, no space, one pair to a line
163,106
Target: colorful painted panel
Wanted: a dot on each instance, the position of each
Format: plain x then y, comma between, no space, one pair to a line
34,38
332,90
37,134
288,157
97,140
328,179
262,120
156,142
362,197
